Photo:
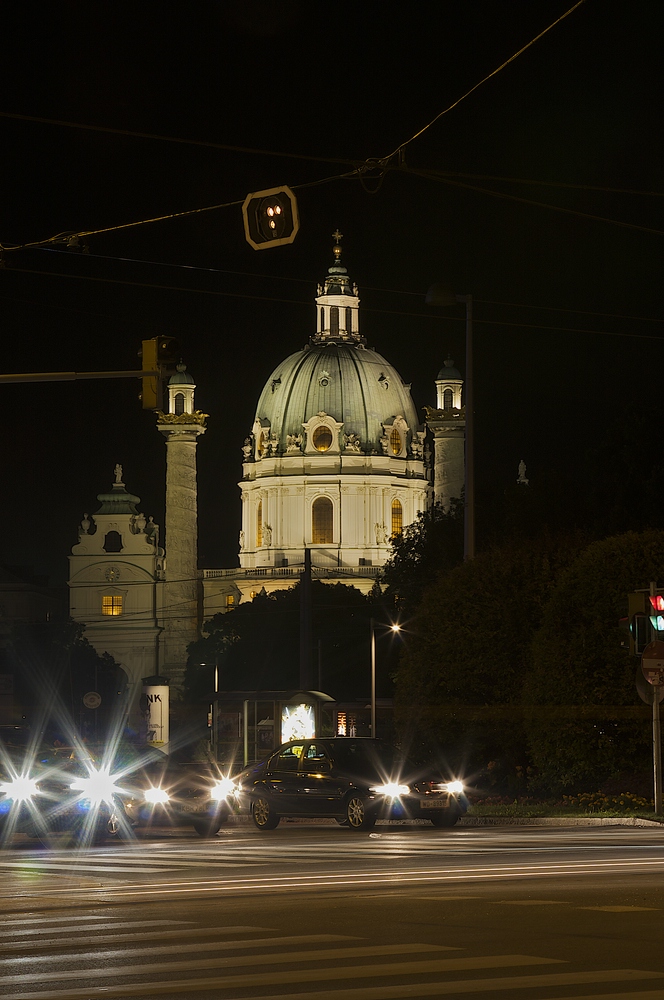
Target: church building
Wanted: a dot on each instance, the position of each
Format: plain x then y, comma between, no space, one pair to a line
336,462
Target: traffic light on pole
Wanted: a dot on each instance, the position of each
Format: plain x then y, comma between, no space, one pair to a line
270,218
639,624
159,356
656,615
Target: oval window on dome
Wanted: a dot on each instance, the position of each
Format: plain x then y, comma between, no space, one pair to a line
322,438
395,442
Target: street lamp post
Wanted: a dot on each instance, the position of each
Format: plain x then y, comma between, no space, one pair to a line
440,295
372,626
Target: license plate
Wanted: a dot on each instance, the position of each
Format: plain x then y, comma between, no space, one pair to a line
193,807
440,803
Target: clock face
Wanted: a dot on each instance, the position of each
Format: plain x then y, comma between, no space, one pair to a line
112,573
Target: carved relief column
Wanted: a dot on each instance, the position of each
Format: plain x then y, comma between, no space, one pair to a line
180,611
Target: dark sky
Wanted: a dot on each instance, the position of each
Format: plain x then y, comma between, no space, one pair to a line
566,305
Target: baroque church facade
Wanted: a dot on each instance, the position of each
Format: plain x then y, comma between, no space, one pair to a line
336,462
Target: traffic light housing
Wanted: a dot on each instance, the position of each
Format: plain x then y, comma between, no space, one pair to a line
639,624
656,615
270,217
159,356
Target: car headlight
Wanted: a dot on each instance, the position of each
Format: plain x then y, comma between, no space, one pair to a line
156,796
222,789
20,789
392,790
455,787
97,787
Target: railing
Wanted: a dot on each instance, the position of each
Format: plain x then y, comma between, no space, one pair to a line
276,572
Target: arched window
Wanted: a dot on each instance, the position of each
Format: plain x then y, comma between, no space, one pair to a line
259,524
334,321
448,399
349,320
113,541
322,521
322,319
395,441
179,402
322,438
397,517
261,444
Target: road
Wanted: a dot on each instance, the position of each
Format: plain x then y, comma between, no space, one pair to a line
314,911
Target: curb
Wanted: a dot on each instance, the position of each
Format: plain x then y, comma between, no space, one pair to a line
557,821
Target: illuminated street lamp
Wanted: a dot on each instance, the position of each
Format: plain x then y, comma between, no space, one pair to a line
392,628
440,295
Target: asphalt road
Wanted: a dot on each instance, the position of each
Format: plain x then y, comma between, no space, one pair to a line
314,911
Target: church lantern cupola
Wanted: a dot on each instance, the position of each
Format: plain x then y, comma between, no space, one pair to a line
448,387
337,304
181,391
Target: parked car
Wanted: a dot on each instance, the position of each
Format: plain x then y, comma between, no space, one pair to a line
355,781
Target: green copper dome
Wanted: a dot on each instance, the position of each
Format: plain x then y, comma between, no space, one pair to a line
350,383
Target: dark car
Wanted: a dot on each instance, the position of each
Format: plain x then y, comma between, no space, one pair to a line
96,792
355,781
161,792
44,792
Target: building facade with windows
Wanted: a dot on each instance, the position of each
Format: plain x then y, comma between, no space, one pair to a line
334,463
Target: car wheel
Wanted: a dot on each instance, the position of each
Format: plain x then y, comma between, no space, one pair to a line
447,817
263,814
358,816
114,825
208,827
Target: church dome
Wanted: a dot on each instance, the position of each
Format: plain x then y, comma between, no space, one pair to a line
337,376
354,385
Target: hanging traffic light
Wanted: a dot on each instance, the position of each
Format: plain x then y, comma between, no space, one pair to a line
270,218
656,615
638,608
159,355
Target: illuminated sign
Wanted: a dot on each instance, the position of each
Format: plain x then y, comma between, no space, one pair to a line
298,722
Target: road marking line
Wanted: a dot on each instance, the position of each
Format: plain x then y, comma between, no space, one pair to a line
293,975
531,902
185,932
616,909
271,958
400,992
67,924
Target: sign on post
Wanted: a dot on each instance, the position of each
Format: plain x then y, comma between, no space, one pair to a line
652,662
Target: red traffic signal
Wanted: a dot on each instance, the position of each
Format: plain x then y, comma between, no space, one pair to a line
270,217
657,612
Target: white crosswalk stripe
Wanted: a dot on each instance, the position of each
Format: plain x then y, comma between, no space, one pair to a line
159,957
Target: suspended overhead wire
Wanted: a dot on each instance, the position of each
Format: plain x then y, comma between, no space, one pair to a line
187,142
430,175
494,72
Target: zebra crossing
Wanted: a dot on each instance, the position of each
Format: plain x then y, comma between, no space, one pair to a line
47,957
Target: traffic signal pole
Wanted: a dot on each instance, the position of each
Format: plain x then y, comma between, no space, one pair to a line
656,737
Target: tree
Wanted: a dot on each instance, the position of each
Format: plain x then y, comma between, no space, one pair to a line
468,651
586,725
432,544
256,646
54,666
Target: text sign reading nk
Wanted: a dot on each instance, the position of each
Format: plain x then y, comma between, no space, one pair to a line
652,662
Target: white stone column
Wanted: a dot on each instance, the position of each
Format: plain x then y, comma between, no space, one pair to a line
180,608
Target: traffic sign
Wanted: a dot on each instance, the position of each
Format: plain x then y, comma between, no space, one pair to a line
652,662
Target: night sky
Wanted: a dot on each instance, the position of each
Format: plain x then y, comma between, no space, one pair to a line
568,308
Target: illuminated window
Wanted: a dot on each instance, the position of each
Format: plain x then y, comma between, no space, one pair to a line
179,402
111,604
334,321
448,398
341,724
322,438
230,600
395,442
259,524
397,517
321,521
261,445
